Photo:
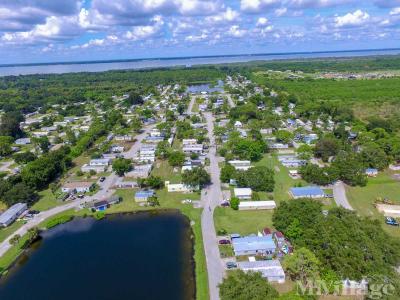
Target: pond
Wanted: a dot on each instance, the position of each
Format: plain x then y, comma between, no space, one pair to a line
198,88
148,255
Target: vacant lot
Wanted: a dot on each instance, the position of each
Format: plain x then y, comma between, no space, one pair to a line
362,198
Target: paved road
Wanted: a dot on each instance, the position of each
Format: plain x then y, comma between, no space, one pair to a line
131,153
104,192
211,198
339,193
230,100
191,103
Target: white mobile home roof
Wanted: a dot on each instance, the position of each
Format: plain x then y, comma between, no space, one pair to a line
257,205
242,191
12,212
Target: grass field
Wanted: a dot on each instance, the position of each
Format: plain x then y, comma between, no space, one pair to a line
6,232
165,171
242,222
47,200
283,182
362,198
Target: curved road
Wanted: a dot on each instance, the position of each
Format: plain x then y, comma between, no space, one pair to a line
339,194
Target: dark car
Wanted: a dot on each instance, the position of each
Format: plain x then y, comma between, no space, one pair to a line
391,221
102,179
224,242
231,265
33,212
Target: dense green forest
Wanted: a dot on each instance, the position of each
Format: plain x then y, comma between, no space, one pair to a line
349,64
29,92
387,89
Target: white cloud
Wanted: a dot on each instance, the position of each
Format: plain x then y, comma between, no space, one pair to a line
227,16
255,6
262,21
235,31
395,11
356,18
281,11
196,38
145,31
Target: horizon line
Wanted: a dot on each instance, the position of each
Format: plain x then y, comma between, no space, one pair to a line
190,57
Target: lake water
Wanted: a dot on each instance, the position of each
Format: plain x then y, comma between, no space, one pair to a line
198,88
172,62
141,256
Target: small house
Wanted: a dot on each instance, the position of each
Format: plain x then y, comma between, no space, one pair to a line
178,187
371,172
23,141
242,165
143,196
270,269
253,245
100,162
78,187
307,192
256,205
11,214
242,193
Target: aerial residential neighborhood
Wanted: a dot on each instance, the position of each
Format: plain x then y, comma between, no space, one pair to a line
198,149
229,161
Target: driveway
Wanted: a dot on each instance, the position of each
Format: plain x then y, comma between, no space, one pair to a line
339,194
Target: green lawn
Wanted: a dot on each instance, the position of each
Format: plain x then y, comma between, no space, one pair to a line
283,182
6,232
243,222
165,171
362,198
226,251
47,200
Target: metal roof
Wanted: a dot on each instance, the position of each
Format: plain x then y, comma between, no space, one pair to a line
12,212
253,243
307,191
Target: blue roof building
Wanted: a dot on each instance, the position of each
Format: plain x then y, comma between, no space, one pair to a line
143,196
371,172
307,192
253,245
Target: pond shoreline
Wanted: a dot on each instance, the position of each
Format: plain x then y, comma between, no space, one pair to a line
187,271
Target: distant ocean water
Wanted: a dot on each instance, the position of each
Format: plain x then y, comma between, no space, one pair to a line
59,68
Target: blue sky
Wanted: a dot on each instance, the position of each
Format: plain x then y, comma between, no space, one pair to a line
73,30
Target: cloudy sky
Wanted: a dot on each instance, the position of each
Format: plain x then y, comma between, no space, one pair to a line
73,30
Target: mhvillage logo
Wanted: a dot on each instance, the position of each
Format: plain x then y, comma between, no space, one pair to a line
356,289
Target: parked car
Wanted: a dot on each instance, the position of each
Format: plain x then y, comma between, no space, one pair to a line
391,221
33,212
231,265
225,204
80,196
102,179
224,242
